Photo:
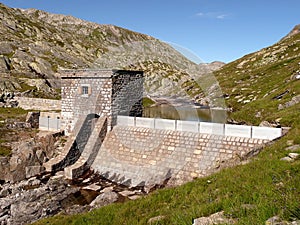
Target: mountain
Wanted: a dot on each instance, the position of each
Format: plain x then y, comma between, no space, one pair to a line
295,30
264,85
37,45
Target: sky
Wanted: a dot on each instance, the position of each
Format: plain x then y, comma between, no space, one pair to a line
211,30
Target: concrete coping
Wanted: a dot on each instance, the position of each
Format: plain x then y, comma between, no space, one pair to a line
253,132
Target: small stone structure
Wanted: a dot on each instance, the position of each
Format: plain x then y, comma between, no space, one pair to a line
103,92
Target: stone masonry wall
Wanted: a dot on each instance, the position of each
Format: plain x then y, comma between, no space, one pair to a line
127,94
90,151
109,93
38,104
75,104
75,145
141,156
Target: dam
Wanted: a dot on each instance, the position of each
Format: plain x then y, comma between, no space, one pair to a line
101,112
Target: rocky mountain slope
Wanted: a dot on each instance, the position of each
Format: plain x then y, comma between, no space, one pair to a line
264,84
36,44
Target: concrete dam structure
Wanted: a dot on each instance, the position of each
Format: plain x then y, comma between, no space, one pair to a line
107,135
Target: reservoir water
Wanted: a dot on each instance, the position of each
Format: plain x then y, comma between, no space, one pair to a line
184,112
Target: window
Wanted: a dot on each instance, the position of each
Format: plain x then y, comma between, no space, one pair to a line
85,90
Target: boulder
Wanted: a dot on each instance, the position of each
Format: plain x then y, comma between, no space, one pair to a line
217,218
104,199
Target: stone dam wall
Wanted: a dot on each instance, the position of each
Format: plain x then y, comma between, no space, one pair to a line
137,156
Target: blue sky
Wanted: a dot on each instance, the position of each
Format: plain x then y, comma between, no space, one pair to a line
211,29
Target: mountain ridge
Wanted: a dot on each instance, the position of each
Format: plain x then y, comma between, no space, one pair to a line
38,45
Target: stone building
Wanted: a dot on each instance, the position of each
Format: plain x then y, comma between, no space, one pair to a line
101,92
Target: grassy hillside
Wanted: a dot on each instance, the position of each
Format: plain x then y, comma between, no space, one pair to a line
266,186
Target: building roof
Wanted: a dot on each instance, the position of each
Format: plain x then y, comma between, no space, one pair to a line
94,73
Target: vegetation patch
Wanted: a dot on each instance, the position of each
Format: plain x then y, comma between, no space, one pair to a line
147,102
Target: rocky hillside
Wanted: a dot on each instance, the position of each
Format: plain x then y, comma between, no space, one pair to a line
265,84
36,44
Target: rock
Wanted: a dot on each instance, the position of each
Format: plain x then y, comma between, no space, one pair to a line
32,171
258,115
107,189
33,119
4,66
155,220
4,192
127,193
293,148
41,156
104,199
287,158
294,155
217,218
295,100
275,220
134,197
92,187
33,181
266,124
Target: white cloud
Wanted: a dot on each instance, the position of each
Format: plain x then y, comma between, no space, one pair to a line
212,15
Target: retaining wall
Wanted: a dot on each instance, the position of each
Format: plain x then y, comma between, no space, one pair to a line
41,104
136,156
